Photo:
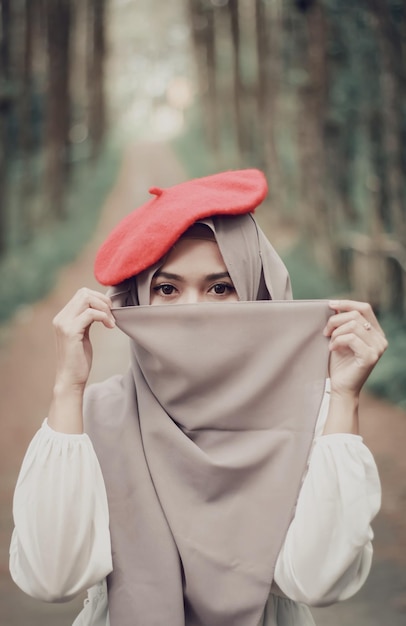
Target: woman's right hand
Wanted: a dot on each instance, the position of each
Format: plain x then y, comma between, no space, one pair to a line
73,347
74,356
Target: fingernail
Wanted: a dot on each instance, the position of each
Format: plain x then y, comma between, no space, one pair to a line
333,303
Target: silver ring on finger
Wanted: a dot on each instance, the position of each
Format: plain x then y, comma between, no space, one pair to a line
367,325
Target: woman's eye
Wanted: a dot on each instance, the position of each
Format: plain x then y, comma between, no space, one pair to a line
221,289
165,289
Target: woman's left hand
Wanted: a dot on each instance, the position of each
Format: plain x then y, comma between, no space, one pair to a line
357,342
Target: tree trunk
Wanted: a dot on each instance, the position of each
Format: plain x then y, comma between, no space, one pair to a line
392,81
80,71
203,34
268,32
6,104
238,85
25,118
97,54
58,104
311,136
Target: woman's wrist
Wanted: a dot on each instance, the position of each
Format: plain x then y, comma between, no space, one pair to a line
342,414
66,411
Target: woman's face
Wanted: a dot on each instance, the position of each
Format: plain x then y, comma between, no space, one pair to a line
193,271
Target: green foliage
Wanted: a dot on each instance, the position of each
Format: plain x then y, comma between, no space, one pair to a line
29,271
309,281
388,379
191,147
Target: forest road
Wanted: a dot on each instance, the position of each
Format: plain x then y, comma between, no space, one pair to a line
27,361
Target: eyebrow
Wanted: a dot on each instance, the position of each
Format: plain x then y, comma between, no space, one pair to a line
219,275
170,276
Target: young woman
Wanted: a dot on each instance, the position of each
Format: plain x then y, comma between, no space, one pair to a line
222,481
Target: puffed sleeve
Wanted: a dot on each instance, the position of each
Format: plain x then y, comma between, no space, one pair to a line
61,542
327,553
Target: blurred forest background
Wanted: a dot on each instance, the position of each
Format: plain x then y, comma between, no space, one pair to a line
311,91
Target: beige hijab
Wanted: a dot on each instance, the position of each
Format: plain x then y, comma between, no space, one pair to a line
204,443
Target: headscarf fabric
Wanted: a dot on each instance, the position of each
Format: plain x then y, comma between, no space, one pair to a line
204,442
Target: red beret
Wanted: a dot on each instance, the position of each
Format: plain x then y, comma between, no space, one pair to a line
148,232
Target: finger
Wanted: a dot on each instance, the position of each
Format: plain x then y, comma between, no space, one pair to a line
87,297
84,299
353,317
352,322
363,352
354,326
98,304
77,326
364,308
350,309
90,315
368,354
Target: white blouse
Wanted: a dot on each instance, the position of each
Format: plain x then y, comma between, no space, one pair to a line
61,542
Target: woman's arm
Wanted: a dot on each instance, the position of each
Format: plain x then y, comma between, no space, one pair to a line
61,541
327,553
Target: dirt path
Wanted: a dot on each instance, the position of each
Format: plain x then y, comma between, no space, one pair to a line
26,374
